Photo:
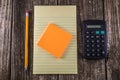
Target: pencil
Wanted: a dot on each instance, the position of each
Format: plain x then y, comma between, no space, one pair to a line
26,40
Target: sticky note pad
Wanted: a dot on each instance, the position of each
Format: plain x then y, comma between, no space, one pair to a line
54,40
64,22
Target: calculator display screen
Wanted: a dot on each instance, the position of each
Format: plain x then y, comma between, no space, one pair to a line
93,26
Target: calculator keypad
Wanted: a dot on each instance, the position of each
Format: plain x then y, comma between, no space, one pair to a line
94,43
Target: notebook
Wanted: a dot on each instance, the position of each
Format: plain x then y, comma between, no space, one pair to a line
65,17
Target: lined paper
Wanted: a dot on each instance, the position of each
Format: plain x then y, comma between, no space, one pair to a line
65,17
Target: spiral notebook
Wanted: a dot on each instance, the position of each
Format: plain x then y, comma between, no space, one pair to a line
65,17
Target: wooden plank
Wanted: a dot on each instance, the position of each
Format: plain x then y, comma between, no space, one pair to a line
94,69
5,38
112,16
17,49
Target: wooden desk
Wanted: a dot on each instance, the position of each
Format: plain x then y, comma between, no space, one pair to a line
12,29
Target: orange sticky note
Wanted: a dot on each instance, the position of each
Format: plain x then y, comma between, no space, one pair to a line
54,40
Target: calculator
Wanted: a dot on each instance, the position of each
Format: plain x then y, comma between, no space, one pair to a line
94,39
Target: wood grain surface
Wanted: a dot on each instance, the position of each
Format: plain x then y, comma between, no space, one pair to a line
12,30
5,38
112,16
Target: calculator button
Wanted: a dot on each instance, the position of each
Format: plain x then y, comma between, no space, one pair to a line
102,32
88,54
97,32
102,45
98,45
88,45
102,41
87,41
97,41
87,36
92,36
92,41
92,32
98,54
97,36
93,54
93,45
98,50
87,50
103,52
87,32
102,36
93,50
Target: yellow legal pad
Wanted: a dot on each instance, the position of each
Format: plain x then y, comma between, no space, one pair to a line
64,18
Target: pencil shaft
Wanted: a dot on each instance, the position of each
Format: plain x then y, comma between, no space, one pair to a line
26,40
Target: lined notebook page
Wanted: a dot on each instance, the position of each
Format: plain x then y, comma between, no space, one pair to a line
65,17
